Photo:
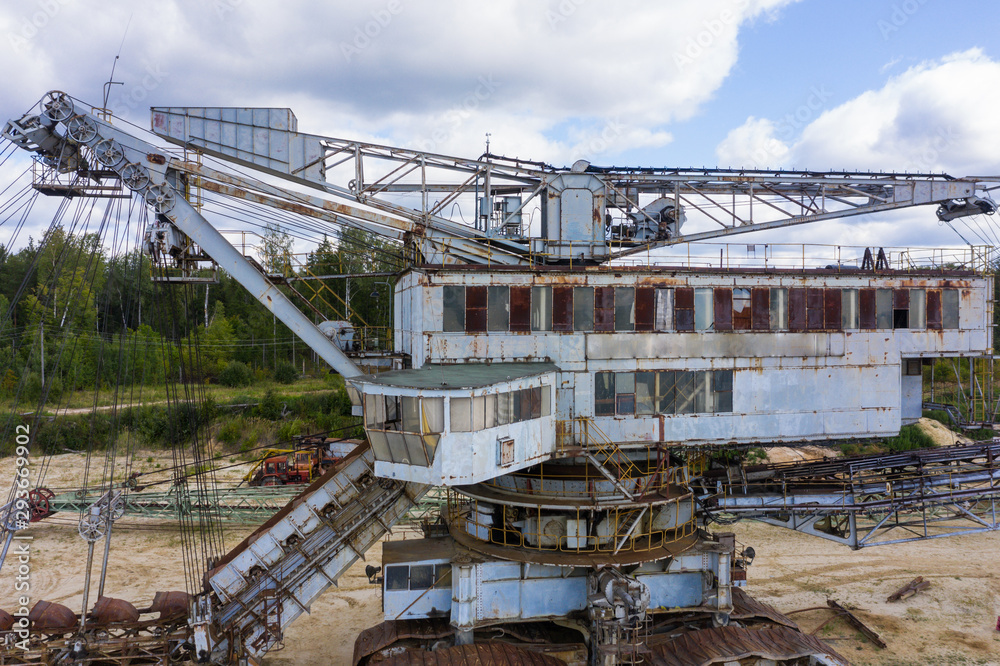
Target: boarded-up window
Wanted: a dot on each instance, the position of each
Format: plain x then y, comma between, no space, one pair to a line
934,310
583,308
453,309
918,309
850,314
831,309
779,309
723,309
883,308
562,308
704,310
520,309
499,309
604,309
814,308
624,308
541,308
664,310
645,308
684,309
797,309
741,309
476,303
949,308
867,308
760,309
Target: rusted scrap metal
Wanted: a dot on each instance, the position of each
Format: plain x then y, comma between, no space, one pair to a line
496,654
916,585
724,645
855,622
108,610
51,617
6,620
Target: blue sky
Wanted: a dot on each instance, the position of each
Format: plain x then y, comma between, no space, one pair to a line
898,84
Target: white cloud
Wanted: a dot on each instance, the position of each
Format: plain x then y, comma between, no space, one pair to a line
753,145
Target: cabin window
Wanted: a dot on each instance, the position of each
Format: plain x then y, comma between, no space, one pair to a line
541,308
604,308
704,312
867,308
645,392
760,309
684,309
934,309
742,320
883,308
421,576
832,303
397,578
546,399
918,309
433,411
664,310
665,391
562,308
722,391
453,309
949,308
410,413
461,414
779,309
912,367
850,314
498,317
604,394
520,309
624,308
583,308
625,393
442,576
723,305
475,309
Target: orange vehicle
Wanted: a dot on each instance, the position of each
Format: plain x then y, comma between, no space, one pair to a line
308,461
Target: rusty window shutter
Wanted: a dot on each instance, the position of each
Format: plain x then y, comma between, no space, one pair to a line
760,309
475,309
684,309
562,308
645,308
867,298
814,308
833,302
797,309
520,309
723,309
934,310
604,308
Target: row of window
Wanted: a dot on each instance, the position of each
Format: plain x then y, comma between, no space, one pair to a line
482,309
663,392
418,577
489,411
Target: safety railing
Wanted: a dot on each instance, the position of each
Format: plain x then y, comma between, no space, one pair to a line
636,529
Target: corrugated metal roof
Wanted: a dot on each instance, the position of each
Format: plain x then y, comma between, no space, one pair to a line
458,376
480,654
717,646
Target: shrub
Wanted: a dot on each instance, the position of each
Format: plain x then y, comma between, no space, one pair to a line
285,373
236,374
910,438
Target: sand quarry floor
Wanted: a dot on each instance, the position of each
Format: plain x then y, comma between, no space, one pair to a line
952,622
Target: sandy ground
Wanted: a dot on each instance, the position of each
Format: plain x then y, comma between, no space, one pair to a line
950,623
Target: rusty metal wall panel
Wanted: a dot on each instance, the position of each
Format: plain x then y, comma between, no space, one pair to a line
867,298
684,309
732,644
723,299
476,309
604,308
760,309
901,298
562,308
645,308
832,305
797,309
520,309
